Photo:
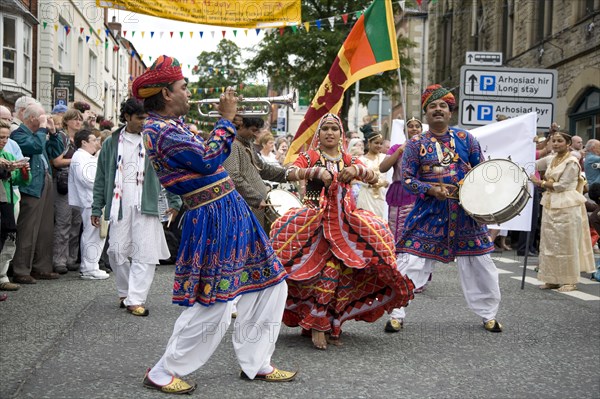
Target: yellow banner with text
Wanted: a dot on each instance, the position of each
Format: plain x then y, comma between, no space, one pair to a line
230,13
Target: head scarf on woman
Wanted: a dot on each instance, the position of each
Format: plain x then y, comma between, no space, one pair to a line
314,145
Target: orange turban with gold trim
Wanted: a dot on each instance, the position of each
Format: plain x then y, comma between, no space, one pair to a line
164,71
437,92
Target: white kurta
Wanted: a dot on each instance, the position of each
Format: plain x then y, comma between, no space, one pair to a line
138,236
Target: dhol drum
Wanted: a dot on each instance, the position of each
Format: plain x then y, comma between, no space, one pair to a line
494,191
278,203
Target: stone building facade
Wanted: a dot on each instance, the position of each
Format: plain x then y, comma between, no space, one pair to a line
549,34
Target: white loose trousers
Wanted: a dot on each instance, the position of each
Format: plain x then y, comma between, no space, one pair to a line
199,330
478,278
91,243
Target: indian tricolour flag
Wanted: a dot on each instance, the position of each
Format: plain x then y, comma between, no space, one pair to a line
370,48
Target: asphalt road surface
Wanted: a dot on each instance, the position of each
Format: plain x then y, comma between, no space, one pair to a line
69,339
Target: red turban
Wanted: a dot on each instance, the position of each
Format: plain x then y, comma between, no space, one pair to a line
164,71
437,92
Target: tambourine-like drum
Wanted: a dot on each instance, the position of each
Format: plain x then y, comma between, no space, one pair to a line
279,202
494,191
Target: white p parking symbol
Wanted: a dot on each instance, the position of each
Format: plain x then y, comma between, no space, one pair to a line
487,83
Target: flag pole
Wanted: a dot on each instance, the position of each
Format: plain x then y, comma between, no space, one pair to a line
402,95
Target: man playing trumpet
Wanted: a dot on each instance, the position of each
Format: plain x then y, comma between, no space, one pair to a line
224,254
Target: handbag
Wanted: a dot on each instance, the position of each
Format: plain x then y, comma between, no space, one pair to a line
62,181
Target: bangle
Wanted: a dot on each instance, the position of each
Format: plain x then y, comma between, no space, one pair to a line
543,184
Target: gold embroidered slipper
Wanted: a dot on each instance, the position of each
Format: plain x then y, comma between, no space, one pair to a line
176,386
138,310
492,326
274,376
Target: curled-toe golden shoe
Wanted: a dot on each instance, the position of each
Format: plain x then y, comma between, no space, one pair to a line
176,386
138,310
393,325
274,376
492,326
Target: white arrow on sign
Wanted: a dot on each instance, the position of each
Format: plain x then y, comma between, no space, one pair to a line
516,84
481,112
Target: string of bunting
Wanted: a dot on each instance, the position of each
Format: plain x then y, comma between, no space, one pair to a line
305,27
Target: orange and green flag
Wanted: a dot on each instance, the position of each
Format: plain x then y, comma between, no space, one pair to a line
370,48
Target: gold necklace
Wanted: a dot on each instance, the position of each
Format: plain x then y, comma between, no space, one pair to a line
559,159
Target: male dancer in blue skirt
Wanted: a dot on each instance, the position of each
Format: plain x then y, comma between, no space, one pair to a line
224,253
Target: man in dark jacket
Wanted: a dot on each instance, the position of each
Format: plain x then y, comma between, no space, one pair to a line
37,137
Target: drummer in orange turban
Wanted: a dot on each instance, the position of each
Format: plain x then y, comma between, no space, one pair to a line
163,72
437,92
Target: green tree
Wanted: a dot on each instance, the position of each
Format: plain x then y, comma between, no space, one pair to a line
301,59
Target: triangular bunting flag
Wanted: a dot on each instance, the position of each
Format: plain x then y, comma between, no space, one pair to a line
171,33
345,18
67,29
44,24
294,29
191,34
99,31
132,33
223,32
107,32
235,33
212,34
55,28
132,53
151,34
281,31
87,38
331,22
201,34
97,42
307,26
124,33
150,58
142,33
358,14
246,32
106,44
257,31
161,34
80,31
318,22
91,30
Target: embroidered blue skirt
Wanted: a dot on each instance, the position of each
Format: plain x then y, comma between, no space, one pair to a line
224,252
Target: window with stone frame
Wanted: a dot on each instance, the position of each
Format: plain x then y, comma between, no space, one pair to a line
9,47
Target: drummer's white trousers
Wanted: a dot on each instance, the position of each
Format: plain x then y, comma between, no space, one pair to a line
478,277
199,330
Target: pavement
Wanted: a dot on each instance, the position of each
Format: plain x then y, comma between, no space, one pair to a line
68,339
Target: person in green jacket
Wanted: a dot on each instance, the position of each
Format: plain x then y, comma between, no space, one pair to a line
127,187
37,137
19,176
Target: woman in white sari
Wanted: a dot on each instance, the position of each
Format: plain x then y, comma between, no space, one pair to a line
565,244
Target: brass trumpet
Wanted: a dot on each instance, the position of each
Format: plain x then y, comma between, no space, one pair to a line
257,106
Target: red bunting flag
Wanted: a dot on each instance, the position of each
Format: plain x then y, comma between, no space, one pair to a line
370,48
345,18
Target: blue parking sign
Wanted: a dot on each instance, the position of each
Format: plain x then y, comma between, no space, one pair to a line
485,112
487,83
